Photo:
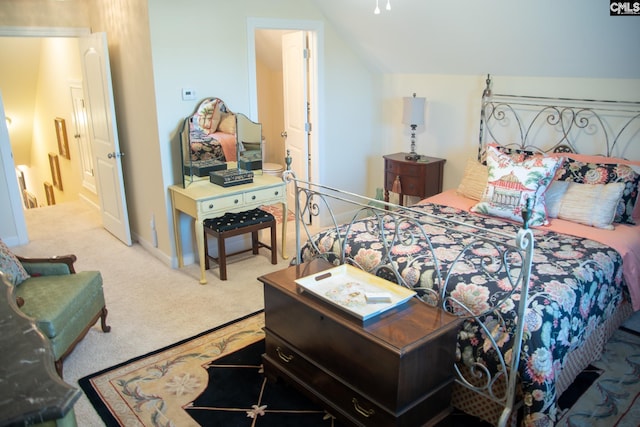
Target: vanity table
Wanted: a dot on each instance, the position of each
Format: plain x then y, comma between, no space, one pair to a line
203,200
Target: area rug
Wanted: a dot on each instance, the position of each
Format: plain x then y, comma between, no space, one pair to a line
216,379
276,211
213,379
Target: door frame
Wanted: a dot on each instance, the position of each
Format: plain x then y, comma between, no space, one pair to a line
316,75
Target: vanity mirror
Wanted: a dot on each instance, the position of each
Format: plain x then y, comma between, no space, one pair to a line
215,138
249,143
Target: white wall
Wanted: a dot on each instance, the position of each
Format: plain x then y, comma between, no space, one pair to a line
453,110
208,53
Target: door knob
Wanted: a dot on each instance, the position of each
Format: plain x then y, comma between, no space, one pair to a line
283,134
115,155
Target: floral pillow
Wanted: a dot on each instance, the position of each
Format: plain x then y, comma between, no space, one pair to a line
10,266
511,183
604,173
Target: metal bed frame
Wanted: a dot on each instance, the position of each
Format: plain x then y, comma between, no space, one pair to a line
563,124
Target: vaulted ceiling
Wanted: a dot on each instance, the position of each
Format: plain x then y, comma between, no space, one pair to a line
577,38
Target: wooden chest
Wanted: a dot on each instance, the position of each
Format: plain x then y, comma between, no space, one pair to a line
395,370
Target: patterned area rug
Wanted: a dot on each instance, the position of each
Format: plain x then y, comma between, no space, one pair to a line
215,379
614,397
276,211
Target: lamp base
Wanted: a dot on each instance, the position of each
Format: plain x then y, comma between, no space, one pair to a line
412,156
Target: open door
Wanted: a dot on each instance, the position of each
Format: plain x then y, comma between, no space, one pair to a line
296,111
103,135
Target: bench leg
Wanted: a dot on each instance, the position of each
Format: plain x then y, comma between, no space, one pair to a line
206,252
222,258
254,242
274,244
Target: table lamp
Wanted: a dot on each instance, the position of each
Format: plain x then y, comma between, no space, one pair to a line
413,115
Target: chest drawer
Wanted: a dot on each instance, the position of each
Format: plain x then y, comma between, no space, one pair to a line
403,168
221,203
399,375
411,185
347,401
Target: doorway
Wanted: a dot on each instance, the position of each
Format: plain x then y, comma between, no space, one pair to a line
83,56
291,111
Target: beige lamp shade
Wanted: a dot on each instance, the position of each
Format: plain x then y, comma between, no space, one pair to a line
413,110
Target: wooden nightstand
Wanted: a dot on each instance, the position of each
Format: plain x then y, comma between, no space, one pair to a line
422,178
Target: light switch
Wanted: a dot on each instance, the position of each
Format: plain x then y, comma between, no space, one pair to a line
188,94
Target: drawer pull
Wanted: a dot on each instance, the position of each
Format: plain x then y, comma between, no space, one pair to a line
277,192
283,356
253,197
236,201
359,409
210,205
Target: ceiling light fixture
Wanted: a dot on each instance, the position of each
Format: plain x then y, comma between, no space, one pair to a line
377,9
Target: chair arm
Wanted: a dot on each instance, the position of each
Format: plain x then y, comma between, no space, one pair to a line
56,265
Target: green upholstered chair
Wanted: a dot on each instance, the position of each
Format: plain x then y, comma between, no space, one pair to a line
64,304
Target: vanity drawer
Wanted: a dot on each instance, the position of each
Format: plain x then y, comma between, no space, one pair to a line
221,203
264,194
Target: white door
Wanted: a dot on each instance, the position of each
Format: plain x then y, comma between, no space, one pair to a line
103,135
81,136
296,108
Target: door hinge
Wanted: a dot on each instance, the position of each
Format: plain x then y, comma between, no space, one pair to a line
306,53
307,127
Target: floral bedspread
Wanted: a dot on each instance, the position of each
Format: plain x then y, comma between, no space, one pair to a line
575,285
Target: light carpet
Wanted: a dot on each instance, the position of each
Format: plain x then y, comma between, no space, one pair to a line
150,304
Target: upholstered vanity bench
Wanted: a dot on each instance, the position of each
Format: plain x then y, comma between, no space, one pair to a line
235,224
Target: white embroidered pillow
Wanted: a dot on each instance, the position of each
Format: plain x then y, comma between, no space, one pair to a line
511,183
589,204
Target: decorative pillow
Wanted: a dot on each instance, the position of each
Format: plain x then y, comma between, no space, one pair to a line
10,266
227,123
516,154
474,180
590,204
209,116
511,183
605,173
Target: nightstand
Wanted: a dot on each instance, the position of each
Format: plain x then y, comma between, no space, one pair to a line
421,178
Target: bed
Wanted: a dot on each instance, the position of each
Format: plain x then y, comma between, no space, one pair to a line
538,247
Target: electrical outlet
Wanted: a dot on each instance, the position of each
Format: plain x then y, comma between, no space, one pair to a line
188,94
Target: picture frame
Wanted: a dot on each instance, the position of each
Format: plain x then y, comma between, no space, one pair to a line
54,164
63,141
48,190
21,181
30,200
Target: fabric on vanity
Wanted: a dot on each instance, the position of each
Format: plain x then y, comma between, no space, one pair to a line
474,180
511,183
590,204
11,266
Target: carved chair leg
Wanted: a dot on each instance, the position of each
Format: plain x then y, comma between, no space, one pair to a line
58,365
103,320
